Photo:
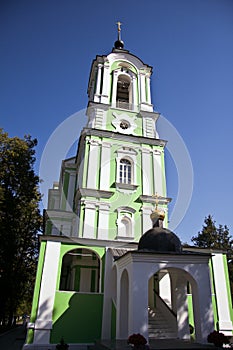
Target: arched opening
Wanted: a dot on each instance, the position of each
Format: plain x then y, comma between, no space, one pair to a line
124,304
171,308
80,271
125,171
124,92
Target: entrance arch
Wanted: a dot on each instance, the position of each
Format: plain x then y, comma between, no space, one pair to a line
182,268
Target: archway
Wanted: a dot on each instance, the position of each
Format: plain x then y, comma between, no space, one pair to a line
170,304
80,271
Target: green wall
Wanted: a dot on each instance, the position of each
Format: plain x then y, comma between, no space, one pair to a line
77,317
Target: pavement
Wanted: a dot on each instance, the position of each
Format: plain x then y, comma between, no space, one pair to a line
13,339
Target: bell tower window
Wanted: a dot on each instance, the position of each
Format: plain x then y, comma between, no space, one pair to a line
124,92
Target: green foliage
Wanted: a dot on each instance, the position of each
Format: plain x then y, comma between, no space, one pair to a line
215,237
20,221
212,236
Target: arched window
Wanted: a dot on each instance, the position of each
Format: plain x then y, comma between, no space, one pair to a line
80,271
125,171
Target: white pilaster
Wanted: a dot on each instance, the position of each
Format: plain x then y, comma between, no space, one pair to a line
103,224
148,89
158,173
114,87
202,305
98,83
146,220
109,285
71,191
43,323
93,164
89,220
134,84
225,324
138,316
105,166
182,309
146,172
106,87
143,87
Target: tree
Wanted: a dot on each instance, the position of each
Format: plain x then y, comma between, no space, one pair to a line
212,236
215,237
20,221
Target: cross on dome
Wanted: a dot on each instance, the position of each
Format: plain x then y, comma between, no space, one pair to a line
119,44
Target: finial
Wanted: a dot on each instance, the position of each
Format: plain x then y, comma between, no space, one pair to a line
119,29
157,216
119,44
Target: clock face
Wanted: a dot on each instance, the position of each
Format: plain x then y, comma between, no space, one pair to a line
124,124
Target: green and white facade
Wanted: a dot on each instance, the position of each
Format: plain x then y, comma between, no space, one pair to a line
99,210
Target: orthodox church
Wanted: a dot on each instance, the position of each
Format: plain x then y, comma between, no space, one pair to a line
108,264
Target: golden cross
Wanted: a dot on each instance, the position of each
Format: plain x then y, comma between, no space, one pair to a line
119,26
156,200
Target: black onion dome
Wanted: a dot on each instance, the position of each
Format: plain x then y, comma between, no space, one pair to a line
119,44
159,239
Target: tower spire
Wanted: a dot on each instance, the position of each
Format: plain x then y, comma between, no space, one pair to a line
119,44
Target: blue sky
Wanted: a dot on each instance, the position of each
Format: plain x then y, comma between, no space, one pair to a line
46,50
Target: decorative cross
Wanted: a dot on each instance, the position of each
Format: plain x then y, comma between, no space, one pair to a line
119,26
156,200
119,29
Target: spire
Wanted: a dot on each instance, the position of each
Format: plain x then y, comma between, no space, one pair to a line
119,44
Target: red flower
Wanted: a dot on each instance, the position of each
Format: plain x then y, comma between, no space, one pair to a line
137,339
216,337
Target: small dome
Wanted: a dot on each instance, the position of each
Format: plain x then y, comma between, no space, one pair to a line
159,239
119,44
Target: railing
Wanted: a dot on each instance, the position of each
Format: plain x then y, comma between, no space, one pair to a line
125,105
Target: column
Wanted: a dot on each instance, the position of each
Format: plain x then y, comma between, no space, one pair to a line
138,295
158,173
89,220
146,220
43,323
71,191
106,87
114,87
146,172
109,284
93,167
103,224
182,309
105,166
98,83
202,303
148,89
143,87
134,86
219,273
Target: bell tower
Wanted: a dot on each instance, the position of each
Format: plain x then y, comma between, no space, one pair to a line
120,158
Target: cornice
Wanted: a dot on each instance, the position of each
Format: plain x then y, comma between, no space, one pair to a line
121,137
